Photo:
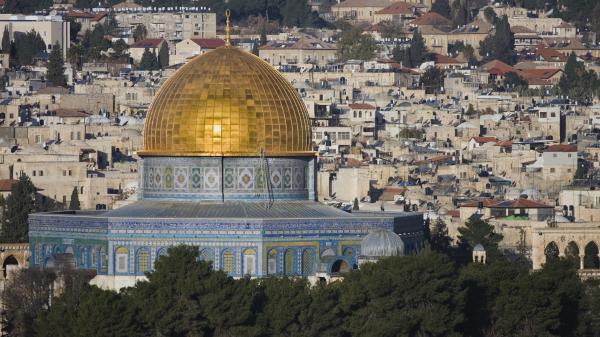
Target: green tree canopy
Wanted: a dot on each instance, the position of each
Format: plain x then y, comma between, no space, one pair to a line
499,46
27,46
6,43
442,7
432,80
354,45
19,204
163,56
414,55
74,204
56,67
477,231
148,61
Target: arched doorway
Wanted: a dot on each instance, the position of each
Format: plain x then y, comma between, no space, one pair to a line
590,259
10,266
551,251
572,254
340,266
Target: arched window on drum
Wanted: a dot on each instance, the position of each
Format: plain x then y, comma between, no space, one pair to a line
142,261
122,260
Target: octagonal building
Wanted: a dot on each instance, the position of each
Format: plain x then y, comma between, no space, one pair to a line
227,166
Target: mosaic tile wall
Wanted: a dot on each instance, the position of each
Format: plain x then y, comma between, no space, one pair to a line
216,178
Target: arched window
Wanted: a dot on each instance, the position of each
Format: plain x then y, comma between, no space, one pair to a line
590,260
103,260
227,262
308,262
121,260
288,262
161,252
249,262
206,255
272,262
93,259
142,261
551,252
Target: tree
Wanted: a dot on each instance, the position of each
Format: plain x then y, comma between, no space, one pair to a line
119,48
490,15
439,239
25,6
27,46
163,56
74,203
148,61
442,7
416,296
295,13
56,67
6,44
354,45
414,55
477,231
26,296
501,45
513,81
432,80
460,13
140,32
19,204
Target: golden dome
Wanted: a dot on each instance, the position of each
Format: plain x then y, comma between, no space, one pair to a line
227,102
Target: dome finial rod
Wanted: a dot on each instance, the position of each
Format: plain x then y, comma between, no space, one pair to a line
227,28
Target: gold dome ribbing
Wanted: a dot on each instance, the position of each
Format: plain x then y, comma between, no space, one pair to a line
227,102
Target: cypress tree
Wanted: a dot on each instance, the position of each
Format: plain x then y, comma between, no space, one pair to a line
74,204
148,61
6,45
19,204
163,55
441,7
56,67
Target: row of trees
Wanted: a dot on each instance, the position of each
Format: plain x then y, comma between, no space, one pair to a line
150,61
458,13
427,294
578,82
21,202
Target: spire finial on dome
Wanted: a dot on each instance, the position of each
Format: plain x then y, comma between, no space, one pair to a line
227,28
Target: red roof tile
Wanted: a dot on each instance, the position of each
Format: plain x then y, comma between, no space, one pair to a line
561,148
431,19
398,8
361,106
7,184
443,59
209,43
485,139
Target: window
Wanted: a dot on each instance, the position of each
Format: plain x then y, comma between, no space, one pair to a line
354,114
143,261
554,155
288,259
41,173
552,170
121,257
344,135
272,262
33,173
308,262
81,192
228,261
206,255
70,173
249,262
64,173
64,199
